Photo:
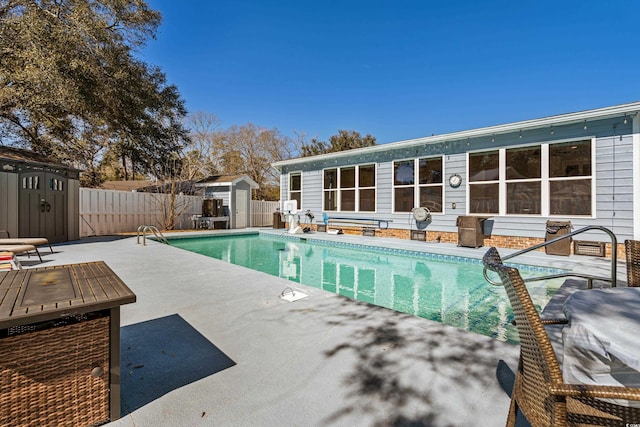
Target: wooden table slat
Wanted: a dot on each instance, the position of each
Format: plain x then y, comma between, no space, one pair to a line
104,284
95,287
9,300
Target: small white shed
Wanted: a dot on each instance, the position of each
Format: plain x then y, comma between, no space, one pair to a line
235,193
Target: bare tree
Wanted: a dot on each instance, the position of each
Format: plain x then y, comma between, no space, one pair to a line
202,157
249,149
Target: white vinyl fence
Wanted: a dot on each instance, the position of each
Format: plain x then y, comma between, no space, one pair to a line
262,213
107,212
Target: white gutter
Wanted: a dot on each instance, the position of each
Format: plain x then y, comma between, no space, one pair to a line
563,119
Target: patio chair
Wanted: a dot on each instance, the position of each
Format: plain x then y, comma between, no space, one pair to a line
8,261
20,249
632,250
6,239
539,390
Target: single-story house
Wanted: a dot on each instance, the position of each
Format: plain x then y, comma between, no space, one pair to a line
235,193
581,167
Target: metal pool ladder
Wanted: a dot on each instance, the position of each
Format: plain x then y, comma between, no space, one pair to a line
590,278
144,229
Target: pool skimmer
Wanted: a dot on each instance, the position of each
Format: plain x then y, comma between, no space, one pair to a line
288,294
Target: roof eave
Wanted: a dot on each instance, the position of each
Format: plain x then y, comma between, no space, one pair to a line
562,119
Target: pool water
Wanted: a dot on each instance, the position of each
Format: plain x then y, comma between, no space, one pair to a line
447,289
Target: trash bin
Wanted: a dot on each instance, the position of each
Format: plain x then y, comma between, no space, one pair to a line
277,220
554,230
470,231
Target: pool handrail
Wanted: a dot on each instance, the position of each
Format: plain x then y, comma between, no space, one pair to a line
590,278
153,229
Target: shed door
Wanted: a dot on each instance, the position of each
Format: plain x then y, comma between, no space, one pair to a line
241,208
42,207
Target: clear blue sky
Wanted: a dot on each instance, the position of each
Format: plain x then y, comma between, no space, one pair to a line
396,69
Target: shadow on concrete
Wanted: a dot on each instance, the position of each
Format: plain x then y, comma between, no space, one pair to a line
93,239
161,355
404,371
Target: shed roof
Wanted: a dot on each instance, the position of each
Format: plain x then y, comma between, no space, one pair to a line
21,155
630,109
222,180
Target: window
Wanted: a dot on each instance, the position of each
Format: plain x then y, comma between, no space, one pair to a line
350,189
570,178
295,187
428,185
546,179
523,177
483,185
330,190
367,188
404,183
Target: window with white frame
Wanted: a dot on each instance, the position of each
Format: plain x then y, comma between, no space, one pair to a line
545,179
367,188
430,183
570,180
404,185
425,191
350,189
295,187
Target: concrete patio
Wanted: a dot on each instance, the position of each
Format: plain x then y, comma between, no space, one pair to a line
210,343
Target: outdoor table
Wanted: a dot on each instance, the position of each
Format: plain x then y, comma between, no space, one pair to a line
60,345
601,342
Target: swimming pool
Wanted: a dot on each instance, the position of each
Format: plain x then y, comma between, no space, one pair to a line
447,289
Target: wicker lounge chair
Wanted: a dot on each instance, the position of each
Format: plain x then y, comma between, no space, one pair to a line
539,390
632,249
6,239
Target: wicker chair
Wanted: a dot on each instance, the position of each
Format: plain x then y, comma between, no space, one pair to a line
539,390
632,250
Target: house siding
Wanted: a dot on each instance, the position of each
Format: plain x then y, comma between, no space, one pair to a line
613,174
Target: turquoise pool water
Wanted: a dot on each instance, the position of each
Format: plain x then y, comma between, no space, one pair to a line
447,289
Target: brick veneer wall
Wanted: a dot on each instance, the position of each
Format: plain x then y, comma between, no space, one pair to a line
510,242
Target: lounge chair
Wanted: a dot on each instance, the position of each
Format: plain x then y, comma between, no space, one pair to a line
632,249
6,239
539,390
8,261
20,249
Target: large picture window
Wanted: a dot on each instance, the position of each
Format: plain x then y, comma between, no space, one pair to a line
350,189
546,179
418,182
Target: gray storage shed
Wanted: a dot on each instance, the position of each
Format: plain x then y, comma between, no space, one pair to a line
38,197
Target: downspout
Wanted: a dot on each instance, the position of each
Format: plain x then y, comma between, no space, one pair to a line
636,176
232,214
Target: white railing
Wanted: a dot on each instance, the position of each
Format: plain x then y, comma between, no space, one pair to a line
107,212
262,213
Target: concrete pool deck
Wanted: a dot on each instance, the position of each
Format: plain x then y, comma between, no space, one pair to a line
209,343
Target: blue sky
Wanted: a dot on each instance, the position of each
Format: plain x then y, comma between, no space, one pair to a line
396,69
